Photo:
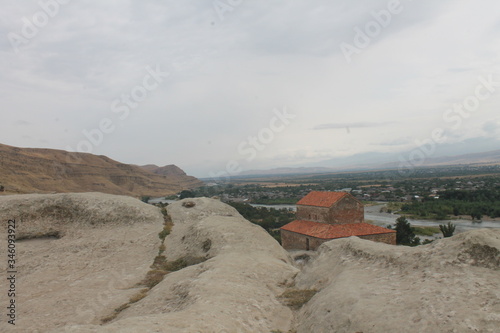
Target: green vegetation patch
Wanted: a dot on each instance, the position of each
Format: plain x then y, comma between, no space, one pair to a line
426,231
476,204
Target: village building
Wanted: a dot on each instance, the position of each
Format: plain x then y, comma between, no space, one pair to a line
323,216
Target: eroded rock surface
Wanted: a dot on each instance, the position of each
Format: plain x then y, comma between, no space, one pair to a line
84,255
236,273
451,285
81,256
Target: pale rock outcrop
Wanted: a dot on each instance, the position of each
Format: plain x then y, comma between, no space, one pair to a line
451,285
106,246
83,256
89,252
235,290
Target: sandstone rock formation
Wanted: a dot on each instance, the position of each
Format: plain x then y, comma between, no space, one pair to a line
29,170
451,285
78,256
83,256
70,284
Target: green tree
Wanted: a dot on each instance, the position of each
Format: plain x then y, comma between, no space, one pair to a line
405,234
441,215
447,230
186,194
476,215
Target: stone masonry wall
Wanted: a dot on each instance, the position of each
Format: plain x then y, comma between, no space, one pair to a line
389,238
312,213
347,210
294,241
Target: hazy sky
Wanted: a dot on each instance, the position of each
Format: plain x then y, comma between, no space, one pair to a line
237,84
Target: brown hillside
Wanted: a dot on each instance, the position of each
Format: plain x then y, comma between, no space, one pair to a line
173,171
30,170
167,170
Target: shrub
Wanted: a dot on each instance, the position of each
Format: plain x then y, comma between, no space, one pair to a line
447,230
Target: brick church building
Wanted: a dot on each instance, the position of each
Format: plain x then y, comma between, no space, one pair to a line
323,216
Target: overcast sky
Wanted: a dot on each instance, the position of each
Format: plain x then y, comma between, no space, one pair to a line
237,84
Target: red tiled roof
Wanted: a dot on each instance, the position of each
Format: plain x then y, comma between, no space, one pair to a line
321,199
329,231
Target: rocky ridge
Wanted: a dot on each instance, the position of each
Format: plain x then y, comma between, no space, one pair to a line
84,256
30,170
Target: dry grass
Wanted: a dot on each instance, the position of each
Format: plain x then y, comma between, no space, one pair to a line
296,298
115,314
161,266
109,318
153,277
161,249
49,234
159,269
167,225
140,295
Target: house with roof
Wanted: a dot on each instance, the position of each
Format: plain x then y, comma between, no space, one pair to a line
330,208
323,216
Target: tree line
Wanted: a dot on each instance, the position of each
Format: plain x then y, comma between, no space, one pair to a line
405,233
476,204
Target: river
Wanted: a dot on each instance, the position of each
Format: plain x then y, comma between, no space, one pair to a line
383,219
372,213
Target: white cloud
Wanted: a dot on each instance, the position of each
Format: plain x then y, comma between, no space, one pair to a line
228,76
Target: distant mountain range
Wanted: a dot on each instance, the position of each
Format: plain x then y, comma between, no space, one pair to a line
286,171
484,158
374,161
32,170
